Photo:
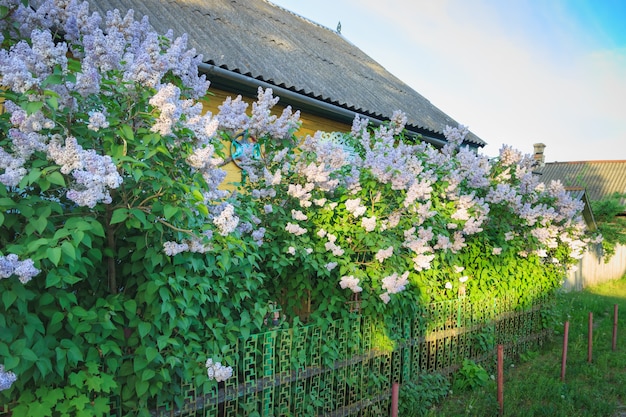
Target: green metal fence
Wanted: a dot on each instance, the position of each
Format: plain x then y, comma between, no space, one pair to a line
348,368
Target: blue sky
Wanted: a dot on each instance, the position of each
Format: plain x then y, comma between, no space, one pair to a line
517,72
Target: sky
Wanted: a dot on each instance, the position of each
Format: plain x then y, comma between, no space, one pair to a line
516,72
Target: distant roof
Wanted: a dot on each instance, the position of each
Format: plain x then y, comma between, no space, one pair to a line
265,42
600,179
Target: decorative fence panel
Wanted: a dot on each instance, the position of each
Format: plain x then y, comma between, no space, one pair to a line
348,368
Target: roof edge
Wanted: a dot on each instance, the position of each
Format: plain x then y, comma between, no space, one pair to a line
297,99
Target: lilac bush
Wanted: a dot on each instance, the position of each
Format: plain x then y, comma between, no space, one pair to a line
125,259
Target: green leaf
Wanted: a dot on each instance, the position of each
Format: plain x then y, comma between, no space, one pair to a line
29,355
56,178
139,363
139,214
142,387
8,298
53,102
151,353
197,195
69,250
52,79
131,308
119,215
144,328
127,132
170,211
33,106
54,254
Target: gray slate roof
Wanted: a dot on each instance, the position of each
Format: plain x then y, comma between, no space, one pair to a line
600,179
263,41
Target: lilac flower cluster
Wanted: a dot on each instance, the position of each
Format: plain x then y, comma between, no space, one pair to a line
94,175
232,117
349,281
393,284
218,372
11,265
7,378
226,221
453,191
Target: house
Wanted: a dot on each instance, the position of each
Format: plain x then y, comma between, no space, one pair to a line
589,181
599,179
250,43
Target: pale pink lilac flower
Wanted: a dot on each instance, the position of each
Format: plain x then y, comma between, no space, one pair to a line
350,282
383,254
295,229
368,223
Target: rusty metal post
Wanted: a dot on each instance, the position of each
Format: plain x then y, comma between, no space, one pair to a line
564,357
501,378
590,338
614,327
395,396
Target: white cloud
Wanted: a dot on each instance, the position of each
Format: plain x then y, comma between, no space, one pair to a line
515,75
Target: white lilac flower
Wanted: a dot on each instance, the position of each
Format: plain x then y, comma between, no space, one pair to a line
331,265
422,261
295,229
394,284
350,282
217,371
298,215
354,207
369,223
463,278
383,254
496,251
226,221
335,249
97,121
448,285
458,269
385,297
309,251
174,248
272,179
291,250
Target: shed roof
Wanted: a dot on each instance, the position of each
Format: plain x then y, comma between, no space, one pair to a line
265,42
600,179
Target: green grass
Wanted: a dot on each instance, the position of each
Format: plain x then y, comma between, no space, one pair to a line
532,382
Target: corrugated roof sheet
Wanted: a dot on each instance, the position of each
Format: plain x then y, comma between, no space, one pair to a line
599,178
266,42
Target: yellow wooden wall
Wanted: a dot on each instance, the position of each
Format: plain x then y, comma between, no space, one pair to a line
310,124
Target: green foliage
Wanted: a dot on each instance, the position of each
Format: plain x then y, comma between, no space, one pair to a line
113,314
470,376
611,225
485,340
417,398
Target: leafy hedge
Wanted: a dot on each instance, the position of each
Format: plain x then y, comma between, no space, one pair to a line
127,265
